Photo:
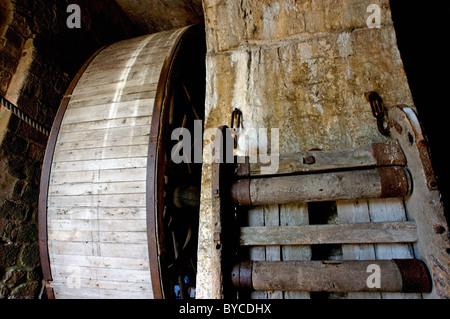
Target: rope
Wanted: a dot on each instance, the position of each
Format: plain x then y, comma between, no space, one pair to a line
23,116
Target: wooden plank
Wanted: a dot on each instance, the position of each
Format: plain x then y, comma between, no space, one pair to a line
109,99
116,53
113,86
114,133
108,124
104,176
120,141
100,213
100,262
122,65
256,218
117,89
391,210
128,151
133,43
375,155
101,286
143,59
98,225
99,102
135,48
150,42
295,215
151,76
364,233
98,249
62,292
356,212
84,189
114,90
108,108
106,274
75,235
273,252
127,200
95,165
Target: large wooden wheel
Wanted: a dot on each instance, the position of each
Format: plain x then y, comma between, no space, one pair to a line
117,217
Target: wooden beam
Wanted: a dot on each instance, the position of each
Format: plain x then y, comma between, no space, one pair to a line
400,275
382,182
360,233
374,155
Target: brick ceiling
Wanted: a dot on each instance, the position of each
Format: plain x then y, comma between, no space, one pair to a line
157,15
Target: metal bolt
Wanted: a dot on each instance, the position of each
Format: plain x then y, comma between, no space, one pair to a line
309,160
439,229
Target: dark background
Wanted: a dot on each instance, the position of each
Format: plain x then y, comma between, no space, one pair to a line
423,43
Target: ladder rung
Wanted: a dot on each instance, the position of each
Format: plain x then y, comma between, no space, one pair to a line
398,275
381,182
359,233
375,155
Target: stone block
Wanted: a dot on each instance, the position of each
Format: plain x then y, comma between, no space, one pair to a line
5,78
15,39
28,234
15,145
17,190
3,292
30,256
15,276
20,24
29,290
36,152
233,23
12,211
3,225
9,232
9,254
35,274
9,63
30,194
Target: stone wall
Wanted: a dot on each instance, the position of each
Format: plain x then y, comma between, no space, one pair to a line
39,57
302,67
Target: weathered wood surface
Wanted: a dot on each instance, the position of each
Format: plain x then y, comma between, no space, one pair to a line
273,216
256,219
338,276
356,211
391,210
375,155
424,206
375,210
97,225
273,252
295,215
369,183
360,233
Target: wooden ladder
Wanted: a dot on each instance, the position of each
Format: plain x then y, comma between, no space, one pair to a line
389,221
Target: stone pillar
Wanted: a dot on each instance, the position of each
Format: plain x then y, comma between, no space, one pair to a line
302,67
